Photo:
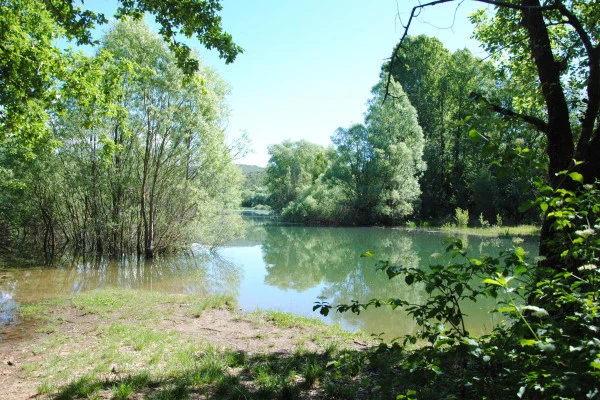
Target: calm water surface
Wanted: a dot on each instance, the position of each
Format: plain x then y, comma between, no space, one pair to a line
274,267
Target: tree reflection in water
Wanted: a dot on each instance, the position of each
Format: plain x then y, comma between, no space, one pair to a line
300,258
274,267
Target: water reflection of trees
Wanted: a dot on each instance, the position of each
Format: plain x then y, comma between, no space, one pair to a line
204,274
301,258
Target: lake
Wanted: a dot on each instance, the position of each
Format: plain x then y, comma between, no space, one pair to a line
274,267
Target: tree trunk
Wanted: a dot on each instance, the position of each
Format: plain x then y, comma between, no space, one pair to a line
560,137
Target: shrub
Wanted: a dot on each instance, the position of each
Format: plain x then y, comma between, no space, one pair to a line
461,217
498,220
483,222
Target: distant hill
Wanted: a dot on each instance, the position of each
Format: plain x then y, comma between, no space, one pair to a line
254,190
248,169
255,176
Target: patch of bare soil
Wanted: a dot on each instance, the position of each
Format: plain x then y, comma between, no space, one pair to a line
222,328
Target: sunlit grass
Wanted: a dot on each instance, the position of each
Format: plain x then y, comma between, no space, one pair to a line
495,231
123,353
199,304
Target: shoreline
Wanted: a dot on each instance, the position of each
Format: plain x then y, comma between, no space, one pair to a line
125,343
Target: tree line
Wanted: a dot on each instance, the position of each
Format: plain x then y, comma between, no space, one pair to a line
118,153
425,151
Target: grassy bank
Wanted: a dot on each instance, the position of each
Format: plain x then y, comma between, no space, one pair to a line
134,344
494,231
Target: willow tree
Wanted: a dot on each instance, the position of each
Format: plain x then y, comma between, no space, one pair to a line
398,141
33,67
35,72
378,164
178,123
292,168
145,166
437,83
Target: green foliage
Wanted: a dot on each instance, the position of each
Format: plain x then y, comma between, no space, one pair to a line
498,220
483,222
292,168
438,84
447,286
188,18
370,178
34,68
461,217
379,164
322,202
547,346
254,190
31,68
143,164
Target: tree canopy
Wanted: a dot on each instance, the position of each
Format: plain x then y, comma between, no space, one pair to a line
549,52
371,177
34,69
141,162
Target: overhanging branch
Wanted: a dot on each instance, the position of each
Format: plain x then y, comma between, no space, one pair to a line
536,122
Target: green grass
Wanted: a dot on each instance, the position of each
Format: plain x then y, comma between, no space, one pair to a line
495,231
316,327
199,304
45,388
122,352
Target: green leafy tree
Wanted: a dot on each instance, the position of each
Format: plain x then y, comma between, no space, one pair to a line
143,165
36,72
551,50
554,51
398,142
30,66
378,164
370,177
354,171
185,166
254,190
438,84
33,68
291,170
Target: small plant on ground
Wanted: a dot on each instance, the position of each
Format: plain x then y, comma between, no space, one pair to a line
483,222
45,388
461,217
498,220
122,391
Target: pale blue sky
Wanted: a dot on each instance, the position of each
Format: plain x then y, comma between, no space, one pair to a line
308,66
